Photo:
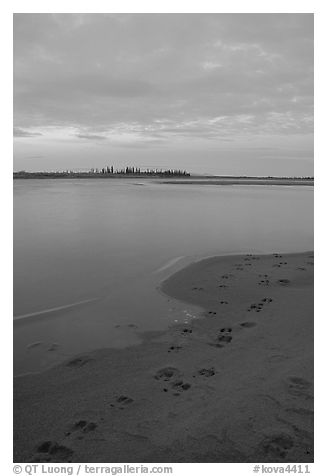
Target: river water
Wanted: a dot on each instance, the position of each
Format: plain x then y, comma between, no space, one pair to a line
89,254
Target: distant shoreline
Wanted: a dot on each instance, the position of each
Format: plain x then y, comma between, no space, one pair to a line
185,180
244,181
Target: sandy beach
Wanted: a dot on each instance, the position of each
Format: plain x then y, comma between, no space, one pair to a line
235,385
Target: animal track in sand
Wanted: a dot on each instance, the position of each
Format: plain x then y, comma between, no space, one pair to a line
224,335
226,329
248,324
299,387
225,338
207,372
300,411
301,268
179,386
223,286
223,302
264,282
255,307
251,258
82,426
197,289
266,299
258,307
283,282
216,344
131,326
173,376
187,331
34,344
166,374
53,347
174,348
239,266
277,446
79,361
121,402
51,451
212,312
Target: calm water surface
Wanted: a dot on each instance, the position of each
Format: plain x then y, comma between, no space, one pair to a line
112,241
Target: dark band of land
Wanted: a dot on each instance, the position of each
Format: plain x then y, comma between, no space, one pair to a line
242,181
171,177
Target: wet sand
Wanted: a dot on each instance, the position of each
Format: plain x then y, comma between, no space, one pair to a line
233,386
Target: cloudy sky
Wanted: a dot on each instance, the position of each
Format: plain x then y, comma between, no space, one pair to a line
212,93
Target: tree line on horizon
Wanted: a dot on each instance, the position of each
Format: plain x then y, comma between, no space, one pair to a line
137,171
109,170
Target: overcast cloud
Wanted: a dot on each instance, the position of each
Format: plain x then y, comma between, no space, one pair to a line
209,92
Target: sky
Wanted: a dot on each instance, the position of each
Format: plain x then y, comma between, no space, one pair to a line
225,94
